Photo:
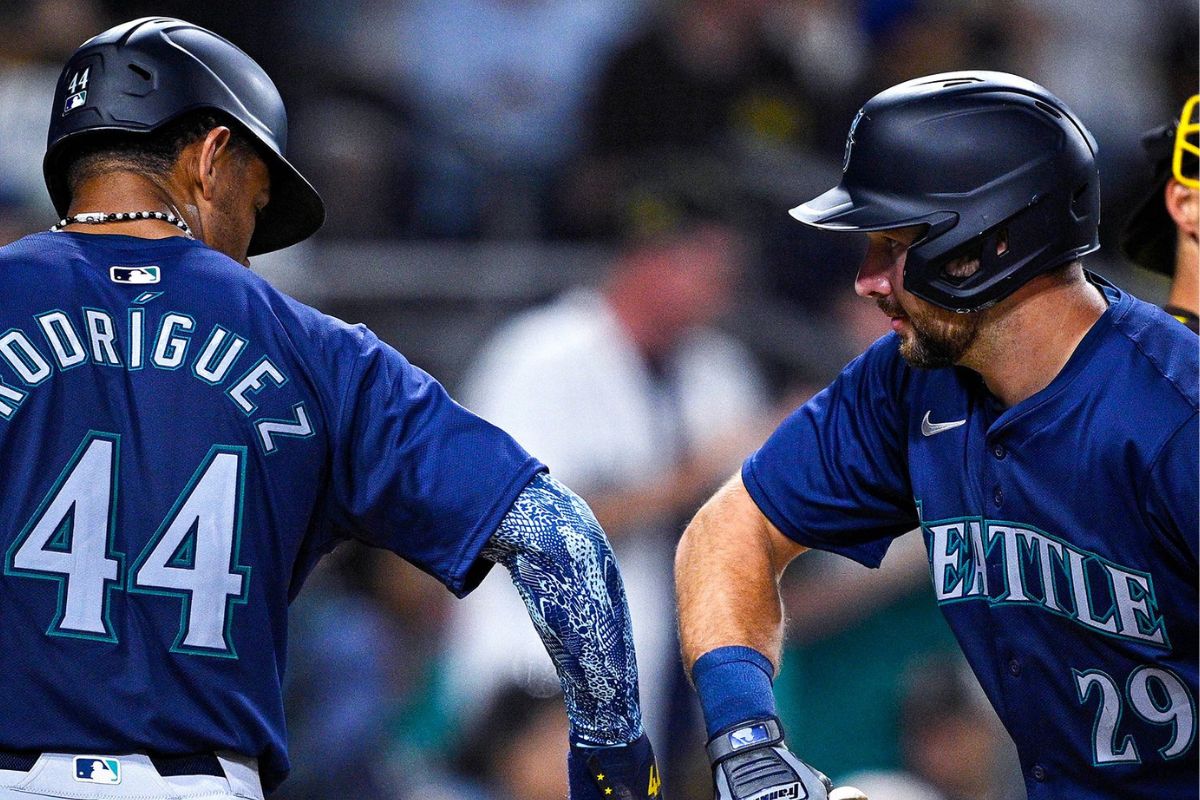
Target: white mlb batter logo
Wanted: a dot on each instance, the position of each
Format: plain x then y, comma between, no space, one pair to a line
97,769
134,274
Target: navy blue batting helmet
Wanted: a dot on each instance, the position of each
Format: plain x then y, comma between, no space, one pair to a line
139,76
980,158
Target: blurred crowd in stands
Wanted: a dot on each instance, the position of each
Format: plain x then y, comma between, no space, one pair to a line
660,142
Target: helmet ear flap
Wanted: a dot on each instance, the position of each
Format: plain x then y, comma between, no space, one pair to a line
998,257
1080,205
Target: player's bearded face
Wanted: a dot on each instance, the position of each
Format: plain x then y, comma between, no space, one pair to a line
934,336
930,336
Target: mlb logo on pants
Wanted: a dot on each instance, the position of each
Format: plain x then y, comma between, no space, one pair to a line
97,769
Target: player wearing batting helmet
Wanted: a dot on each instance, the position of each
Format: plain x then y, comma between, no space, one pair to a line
1037,423
185,442
1161,234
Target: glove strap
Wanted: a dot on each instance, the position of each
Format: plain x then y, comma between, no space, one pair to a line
748,735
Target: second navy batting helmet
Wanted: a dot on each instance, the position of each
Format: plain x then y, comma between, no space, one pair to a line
139,76
998,169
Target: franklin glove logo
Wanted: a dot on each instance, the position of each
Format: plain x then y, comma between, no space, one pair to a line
793,791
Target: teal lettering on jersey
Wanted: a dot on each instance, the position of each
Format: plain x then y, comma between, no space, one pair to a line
977,559
166,343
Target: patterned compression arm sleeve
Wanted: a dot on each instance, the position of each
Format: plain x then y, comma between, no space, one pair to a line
565,571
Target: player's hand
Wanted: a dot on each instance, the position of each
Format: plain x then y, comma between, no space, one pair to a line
751,762
624,772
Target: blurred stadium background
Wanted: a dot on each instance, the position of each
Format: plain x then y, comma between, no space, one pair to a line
481,158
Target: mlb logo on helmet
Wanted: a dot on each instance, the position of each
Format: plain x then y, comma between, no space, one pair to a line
97,769
75,101
134,274
78,88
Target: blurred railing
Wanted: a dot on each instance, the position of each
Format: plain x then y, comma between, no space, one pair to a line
437,301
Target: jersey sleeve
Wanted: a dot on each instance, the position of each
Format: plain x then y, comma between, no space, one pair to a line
834,475
416,473
1173,493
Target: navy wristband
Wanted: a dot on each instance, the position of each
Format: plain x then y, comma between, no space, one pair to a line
734,684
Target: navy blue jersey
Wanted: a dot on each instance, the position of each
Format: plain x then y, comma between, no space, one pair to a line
183,443
1062,536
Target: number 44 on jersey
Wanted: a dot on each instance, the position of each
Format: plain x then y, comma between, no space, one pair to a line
192,557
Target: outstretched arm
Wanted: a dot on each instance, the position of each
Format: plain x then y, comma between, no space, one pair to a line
565,571
727,572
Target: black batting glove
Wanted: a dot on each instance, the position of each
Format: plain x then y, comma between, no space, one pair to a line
622,772
751,762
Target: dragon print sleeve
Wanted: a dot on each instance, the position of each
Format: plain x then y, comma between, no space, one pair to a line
565,571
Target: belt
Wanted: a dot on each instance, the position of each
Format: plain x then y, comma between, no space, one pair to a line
167,766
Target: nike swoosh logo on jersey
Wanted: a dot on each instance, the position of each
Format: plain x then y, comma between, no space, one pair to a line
930,428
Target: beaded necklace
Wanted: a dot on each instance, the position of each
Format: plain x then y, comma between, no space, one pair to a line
99,217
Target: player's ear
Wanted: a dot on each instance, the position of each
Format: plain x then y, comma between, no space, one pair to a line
196,169
1183,204
212,155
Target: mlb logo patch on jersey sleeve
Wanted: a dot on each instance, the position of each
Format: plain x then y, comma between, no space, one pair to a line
134,275
97,769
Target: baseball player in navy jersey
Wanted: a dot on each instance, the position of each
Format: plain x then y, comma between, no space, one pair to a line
1035,422
184,443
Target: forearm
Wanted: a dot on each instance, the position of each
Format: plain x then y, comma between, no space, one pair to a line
564,570
727,570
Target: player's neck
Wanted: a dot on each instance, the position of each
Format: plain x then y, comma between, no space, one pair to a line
1185,288
1029,337
116,192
